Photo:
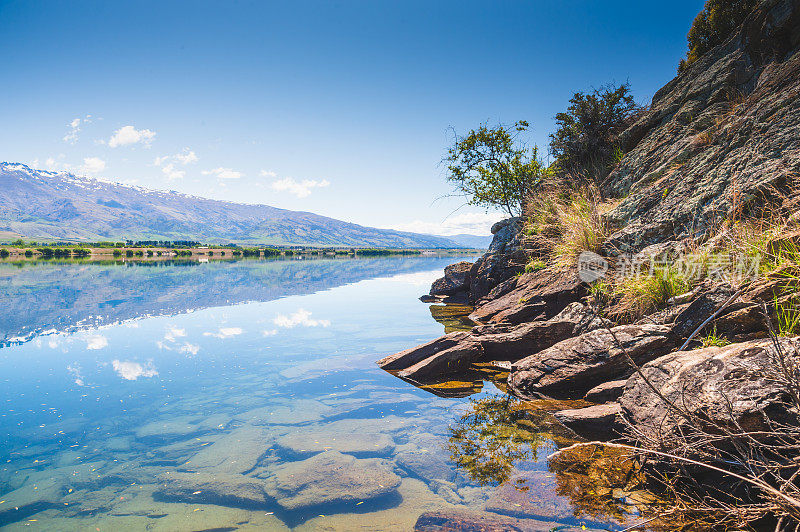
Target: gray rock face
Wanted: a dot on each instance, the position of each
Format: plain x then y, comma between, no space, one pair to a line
573,366
456,279
725,131
330,477
504,259
536,295
596,422
718,384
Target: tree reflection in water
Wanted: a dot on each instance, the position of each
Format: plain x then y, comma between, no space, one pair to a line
492,436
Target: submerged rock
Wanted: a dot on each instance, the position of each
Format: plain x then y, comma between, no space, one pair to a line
237,452
575,365
211,488
465,520
356,437
330,477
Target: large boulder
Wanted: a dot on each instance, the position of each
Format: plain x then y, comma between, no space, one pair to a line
456,279
728,386
504,259
535,295
573,366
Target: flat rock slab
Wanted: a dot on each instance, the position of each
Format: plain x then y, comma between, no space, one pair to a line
463,520
330,477
169,430
455,352
237,452
310,442
295,413
572,367
210,488
596,422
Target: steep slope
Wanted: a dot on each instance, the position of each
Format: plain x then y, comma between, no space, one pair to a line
39,204
723,136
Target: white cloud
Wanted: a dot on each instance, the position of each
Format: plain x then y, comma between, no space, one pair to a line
271,332
92,165
186,157
223,173
469,223
170,163
127,135
96,342
130,371
267,173
301,189
74,128
189,349
171,172
225,332
301,317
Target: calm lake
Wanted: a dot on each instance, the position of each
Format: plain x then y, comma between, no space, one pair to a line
244,395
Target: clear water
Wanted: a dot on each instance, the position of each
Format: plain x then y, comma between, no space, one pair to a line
244,395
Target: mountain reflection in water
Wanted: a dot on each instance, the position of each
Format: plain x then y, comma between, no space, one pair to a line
245,395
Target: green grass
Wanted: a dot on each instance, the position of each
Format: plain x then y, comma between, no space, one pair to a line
714,340
535,265
642,295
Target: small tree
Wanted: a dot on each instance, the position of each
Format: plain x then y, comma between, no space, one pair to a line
713,25
492,167
585,142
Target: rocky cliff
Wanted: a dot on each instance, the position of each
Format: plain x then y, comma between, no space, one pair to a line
723,136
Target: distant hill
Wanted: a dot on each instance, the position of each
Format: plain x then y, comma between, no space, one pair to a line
471,241
48,205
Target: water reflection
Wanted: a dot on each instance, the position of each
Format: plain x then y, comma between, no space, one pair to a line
43,297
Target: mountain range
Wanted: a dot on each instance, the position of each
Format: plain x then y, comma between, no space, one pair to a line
39,204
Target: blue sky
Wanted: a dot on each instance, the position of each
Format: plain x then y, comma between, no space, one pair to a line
340,108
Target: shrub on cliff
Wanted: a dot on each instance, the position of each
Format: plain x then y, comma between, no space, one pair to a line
585,143
492,167
713,25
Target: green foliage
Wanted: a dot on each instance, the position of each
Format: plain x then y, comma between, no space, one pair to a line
117,253
585,142
492,167
4,253
713,25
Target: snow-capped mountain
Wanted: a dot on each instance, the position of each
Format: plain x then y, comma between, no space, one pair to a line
63,206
